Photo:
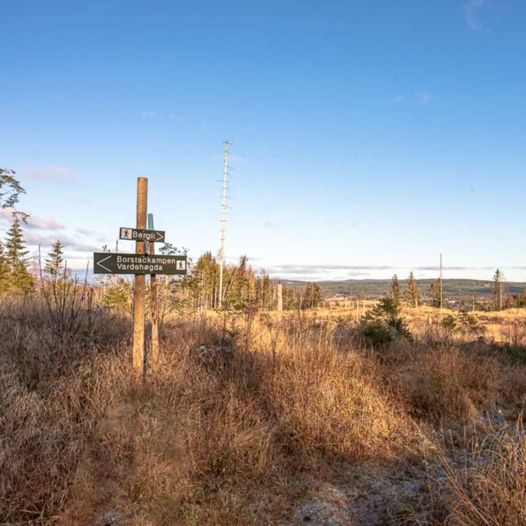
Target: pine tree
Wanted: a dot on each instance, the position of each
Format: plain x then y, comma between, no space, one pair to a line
237,287
395,290
291,298
498,289
434,292
20,280
4,271
413,292
312,297
118,296
204,281
55,260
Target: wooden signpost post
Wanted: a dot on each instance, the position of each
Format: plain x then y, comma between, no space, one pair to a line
139,264
139,287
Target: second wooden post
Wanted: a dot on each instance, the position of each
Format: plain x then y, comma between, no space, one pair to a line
154,307
280,300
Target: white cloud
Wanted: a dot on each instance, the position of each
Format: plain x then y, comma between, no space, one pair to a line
473,8
398,99
50,174
84,231
176,117
91,234
149,114
425,99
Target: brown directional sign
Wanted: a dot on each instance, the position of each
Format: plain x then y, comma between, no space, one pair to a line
105,263
140,234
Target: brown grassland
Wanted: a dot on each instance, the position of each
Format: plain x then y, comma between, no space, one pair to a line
251,421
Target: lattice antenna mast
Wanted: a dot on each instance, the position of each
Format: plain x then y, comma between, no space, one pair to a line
223,223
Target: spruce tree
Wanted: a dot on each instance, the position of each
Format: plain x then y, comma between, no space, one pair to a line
291,298
20,280
413,292
55,260
434,292
4,271
395,290
313,296
498,289
203,282
237,287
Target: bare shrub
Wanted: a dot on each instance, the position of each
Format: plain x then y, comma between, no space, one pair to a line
48,405
451,384
29,335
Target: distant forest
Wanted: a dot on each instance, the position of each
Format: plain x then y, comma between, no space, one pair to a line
454,289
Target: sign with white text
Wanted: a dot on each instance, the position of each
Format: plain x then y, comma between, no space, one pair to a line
106,263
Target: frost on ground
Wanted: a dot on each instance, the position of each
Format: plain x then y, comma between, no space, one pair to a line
370,495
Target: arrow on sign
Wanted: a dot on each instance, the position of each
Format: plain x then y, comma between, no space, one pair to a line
100,263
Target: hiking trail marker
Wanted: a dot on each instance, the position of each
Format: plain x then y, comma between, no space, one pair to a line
141,234
139,264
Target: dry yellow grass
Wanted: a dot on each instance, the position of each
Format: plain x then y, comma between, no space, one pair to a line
243,432
491,488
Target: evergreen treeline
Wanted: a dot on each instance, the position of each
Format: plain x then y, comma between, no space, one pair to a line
243,288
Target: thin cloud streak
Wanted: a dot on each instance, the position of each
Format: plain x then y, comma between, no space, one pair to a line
33,222
43,223
46,240
50,174
328,272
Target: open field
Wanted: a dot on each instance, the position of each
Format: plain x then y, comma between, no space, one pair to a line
506,326
251,421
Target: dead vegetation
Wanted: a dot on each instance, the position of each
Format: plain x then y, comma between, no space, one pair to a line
491,489
253,422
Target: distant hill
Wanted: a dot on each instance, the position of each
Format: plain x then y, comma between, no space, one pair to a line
376,288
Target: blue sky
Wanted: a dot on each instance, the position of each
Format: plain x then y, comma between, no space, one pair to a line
367,137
